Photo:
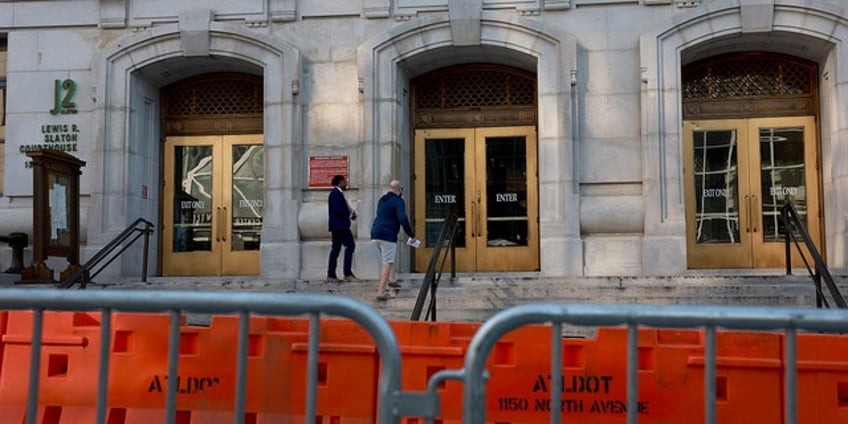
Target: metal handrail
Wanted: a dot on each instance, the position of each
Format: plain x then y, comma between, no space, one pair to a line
122,241
431,279
789,216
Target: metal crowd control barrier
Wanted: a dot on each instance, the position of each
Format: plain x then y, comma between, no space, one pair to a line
392,403
242,303
789,320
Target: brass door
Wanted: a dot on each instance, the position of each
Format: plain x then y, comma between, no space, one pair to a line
738,173
213,201
488,176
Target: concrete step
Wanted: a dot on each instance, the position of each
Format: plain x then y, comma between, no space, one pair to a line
474,298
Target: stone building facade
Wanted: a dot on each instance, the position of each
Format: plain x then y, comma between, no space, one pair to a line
572,137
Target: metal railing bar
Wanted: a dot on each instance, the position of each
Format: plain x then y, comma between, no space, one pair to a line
803,256
312,368
173,362
434,284
177,301
118,239
35,365
114,256
671,316
791,376
241,365
556,373
789,213
103,373
85,274
437,379
709,374
147,231
434,268
431,309
632,373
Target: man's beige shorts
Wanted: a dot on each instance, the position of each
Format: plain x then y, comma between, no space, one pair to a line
388,250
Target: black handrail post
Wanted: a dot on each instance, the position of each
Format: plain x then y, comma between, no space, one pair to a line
440,253
819,269
147,232
86,272
817,280
453,254
787,237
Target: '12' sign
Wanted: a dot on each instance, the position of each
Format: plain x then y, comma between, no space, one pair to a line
63,94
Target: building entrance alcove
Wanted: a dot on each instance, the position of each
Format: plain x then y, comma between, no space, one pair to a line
475,154
213,176
750,144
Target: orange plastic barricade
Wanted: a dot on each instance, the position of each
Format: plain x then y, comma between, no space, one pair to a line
206,376
671,385
520,368
749,377
70,345
822,378
750,369
427,348
347,370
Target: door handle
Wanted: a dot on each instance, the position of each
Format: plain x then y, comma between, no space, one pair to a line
223,227
217,223
479,215
748,220
471,225
754,216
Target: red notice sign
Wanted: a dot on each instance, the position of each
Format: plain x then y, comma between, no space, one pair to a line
322,169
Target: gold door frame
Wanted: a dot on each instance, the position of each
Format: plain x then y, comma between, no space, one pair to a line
222,258
746,207
475,252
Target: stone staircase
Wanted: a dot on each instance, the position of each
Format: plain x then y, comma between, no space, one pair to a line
474,298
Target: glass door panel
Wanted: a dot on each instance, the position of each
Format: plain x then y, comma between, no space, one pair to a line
213,189
192,218
738,173
248,196
506,188
782,177
444,168
488,176
243,181
444,180
786,149
716,186
718,227
191,195
506,192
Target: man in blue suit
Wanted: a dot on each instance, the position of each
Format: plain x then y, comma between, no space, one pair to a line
340,217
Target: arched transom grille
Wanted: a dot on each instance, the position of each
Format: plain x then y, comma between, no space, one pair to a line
215,95
747,76
475,86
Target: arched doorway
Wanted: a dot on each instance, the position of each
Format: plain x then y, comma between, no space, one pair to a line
475,154
213,175
750,144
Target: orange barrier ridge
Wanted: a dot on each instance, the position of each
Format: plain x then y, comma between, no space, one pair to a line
594,379
749,375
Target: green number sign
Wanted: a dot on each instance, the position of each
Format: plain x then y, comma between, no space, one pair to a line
63,94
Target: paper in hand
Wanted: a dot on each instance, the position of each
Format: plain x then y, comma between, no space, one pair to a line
413,242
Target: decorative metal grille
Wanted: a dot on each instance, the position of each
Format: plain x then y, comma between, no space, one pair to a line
747,76
468,87
215,95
